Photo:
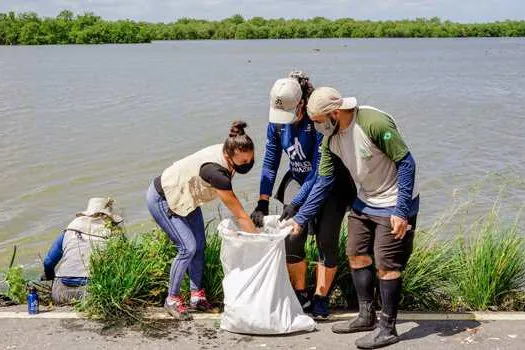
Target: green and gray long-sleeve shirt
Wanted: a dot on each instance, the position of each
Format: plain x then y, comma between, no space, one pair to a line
379,161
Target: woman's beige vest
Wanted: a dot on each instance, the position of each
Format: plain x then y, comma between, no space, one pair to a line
184,189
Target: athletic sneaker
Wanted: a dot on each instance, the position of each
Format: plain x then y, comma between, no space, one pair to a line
305,302
199,302
176,308
320,308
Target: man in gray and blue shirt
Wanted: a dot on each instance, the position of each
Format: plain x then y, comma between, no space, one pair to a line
383,217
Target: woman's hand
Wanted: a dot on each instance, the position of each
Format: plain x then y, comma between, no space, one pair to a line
231,201
246,225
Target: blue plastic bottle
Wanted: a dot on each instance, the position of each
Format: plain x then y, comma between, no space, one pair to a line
32,301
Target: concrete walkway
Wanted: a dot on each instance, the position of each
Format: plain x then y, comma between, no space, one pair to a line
507,331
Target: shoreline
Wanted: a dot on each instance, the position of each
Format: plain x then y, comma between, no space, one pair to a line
158,313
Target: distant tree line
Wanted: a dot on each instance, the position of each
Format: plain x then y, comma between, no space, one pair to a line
66,28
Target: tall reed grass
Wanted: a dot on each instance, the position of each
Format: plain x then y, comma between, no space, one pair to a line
482,268
488,264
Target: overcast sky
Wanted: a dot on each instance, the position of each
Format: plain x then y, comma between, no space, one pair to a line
170,10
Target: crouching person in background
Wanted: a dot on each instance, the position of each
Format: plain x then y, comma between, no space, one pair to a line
67,262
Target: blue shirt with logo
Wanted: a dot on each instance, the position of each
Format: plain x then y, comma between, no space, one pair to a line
301,142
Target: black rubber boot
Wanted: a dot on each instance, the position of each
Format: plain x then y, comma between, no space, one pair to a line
384,335
365,321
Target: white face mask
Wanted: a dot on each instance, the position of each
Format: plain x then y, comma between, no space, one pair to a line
327,128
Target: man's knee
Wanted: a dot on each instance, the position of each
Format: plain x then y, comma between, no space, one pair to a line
360,261
386,274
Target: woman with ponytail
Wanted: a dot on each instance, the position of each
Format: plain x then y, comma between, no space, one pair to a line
174,199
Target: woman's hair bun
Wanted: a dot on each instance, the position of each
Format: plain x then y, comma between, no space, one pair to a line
237,128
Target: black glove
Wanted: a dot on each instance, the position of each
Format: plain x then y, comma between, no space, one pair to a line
260,211
289,211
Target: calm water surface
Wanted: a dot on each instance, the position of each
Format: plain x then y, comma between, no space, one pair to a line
83,121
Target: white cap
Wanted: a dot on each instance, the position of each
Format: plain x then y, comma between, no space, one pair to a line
326,99
285,96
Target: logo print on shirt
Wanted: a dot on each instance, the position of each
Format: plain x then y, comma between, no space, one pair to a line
364,153
309,128
295,151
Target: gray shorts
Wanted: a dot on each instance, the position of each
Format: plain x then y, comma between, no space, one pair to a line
64,295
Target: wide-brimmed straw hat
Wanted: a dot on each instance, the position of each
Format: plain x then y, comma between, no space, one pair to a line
101,205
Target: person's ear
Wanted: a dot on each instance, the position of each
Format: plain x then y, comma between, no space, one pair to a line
300,107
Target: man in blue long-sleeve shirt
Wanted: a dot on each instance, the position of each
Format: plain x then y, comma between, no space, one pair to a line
383,217
291,131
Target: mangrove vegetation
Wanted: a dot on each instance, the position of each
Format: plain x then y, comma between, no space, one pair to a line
67,28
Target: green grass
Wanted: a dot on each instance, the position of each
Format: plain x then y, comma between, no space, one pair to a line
15,281
425,277
481,268
133,273
488,264
128,275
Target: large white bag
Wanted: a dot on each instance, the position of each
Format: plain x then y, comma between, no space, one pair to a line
258,295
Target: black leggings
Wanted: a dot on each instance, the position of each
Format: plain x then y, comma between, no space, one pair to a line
326,225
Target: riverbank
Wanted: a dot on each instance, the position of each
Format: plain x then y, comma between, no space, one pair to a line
481,268
66,28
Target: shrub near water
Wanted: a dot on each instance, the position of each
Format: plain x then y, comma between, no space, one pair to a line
131,274
127,275
425,277
16,284
484,270
489,264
